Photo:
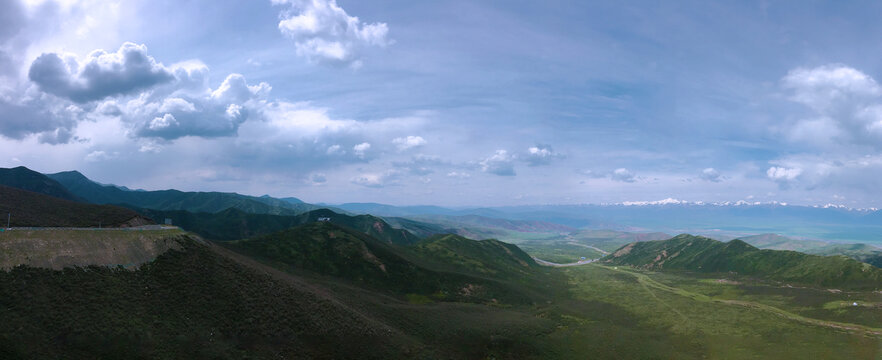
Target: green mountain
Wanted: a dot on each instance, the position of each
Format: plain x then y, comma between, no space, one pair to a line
27,179
485,257
333,250
96,193
30,209
235,224
700,254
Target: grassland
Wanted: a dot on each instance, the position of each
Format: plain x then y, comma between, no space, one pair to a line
724,320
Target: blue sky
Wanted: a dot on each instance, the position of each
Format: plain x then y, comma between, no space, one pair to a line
451,103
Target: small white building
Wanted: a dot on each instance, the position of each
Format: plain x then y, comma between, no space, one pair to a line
324,219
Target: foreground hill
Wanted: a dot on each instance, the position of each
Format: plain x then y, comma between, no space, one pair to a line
27,179
30,209
700,254
96,193
235,224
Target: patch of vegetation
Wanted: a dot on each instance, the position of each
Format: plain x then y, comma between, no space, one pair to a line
30,209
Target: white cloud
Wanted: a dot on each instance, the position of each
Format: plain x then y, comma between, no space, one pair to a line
323,32
783,175
824,87
100,74
361,149
100,155
540,155
623,175
335,150
711,174
500,163
159,123
376,180
459,175
409,142
847,102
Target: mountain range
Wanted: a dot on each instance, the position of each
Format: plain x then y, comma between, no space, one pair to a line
263,278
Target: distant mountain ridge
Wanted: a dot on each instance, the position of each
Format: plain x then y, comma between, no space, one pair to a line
27,179
93,192
235,224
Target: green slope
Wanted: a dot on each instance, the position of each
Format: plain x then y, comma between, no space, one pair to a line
484,257
332,250
27,179
30,209
96,193
700,254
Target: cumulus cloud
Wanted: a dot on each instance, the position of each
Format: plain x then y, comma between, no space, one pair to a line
826,87
100,74
623,175
540,155
783,176
711,174
323,32
206,113
500,163
360,150
155,101
409,142
100,155
847,105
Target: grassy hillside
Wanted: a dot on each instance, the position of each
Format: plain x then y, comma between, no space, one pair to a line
27,179
332,250
30,209
862,252
234,224
485,257
96,193
700,254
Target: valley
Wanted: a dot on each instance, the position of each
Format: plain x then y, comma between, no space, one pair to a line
317,283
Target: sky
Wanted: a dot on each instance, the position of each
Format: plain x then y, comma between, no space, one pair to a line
453,103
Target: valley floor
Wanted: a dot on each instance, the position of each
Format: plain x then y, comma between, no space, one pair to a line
683,316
